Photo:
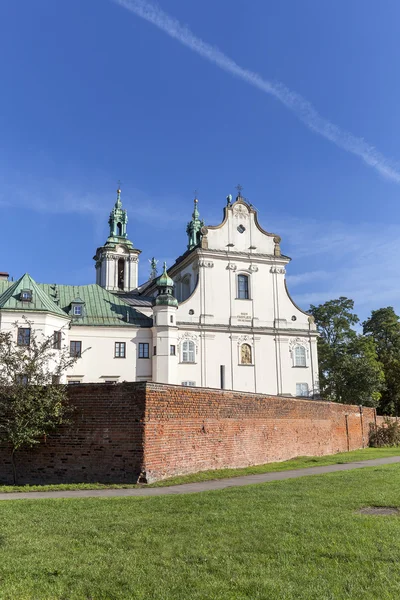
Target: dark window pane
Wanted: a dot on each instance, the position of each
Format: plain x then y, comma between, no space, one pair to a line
24,336
57,340
143,350
75,348
119,349
243,287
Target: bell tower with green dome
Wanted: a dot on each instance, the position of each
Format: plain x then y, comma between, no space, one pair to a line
165,331
118,260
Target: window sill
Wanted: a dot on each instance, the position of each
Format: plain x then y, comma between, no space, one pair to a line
300,367
143,357
187,362
247,299
118,357
245,364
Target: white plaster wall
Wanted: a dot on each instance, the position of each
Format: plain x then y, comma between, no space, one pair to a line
44,325
98,361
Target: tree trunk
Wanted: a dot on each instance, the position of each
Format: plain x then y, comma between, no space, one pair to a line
14,466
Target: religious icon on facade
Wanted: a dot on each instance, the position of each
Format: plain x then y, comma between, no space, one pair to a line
245,354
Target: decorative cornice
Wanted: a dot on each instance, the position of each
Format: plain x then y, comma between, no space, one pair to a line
298,341
279,270
208,264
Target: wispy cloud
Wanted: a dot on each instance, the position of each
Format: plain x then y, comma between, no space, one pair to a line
53,197
296,103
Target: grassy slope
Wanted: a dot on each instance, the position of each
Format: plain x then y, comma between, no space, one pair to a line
296,463
295,540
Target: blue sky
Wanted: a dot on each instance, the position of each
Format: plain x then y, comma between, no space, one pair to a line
93,93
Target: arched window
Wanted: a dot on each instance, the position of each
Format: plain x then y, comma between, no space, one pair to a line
245,354
119,229
121,273
188,351
185,288
243,287
299,356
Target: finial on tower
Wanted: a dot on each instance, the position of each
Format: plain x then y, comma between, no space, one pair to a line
239,190
118,203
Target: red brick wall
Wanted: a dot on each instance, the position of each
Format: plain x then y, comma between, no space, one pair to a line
103,443
194,429
120,430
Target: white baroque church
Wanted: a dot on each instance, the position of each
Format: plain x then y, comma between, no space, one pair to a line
221,317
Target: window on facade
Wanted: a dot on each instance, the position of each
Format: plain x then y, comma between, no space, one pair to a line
78,310
243,287
120,348
121,273
26,296
57,340
302,389
189,383
75,349
154,350
299,356
185,288
172,350
22,380
119,228
188,351
245,354
55,379
24,336
143,350
171,319
74,381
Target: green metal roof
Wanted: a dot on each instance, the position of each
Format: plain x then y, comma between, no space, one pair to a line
10,299
101,308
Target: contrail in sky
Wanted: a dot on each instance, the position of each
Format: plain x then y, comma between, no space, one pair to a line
303,109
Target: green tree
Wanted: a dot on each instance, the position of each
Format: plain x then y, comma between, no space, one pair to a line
349,369
383,327
32,403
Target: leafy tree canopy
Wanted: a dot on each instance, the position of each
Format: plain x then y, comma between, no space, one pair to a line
31,404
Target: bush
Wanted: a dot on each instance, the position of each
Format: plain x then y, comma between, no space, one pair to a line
387,434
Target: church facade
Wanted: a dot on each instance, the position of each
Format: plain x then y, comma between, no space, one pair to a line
221,316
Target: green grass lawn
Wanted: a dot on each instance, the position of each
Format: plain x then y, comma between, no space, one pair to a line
300,539
296,463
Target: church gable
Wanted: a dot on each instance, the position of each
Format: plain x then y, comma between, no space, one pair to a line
241,232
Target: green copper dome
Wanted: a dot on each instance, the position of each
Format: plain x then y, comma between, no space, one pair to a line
164,280
165,286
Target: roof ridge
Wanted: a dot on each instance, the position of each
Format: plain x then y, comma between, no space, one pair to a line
27,282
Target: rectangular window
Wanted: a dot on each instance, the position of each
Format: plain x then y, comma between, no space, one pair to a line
22,379
120,348
26,295
24,336
75,349
57,340
55,379
78,310
302,389
143,350
74,381
154,350
172,350
171,318
243,287
189,383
